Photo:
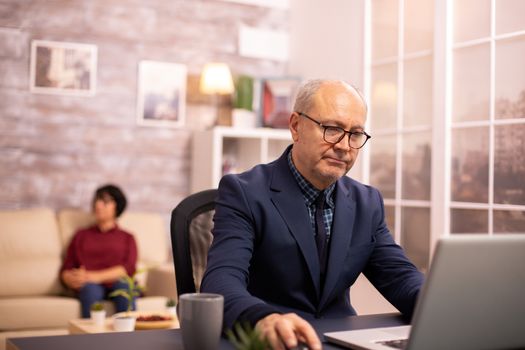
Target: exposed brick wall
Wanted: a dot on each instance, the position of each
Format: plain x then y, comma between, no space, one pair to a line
55,150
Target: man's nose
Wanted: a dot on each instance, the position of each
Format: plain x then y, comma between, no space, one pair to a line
344,143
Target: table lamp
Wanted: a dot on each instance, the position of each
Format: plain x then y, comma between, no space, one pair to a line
216,79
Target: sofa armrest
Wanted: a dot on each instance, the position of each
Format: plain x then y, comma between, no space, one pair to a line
160,281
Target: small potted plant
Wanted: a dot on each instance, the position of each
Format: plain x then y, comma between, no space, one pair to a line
244,337
98,314
126,322
171,307
243,115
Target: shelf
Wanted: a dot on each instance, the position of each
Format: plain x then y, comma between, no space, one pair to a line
223,150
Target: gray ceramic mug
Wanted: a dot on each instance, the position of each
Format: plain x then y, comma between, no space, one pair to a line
200,317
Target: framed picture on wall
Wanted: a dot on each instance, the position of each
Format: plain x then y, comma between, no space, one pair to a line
277,97
63,68
161,94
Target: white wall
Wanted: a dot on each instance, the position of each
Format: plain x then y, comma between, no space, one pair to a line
326,41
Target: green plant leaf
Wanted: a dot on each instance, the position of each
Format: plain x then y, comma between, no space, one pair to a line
131,290
245,337
243,94
97,306
119,292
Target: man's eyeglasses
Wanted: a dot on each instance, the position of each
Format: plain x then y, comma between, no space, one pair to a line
334,134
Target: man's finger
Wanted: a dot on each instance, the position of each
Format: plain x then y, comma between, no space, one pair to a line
286,330
274,340
304,329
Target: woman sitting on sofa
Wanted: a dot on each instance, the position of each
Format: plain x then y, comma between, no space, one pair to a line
99,256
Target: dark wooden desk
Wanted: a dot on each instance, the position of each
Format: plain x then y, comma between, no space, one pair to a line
171,339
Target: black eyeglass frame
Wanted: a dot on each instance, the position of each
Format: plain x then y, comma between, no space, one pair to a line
350,133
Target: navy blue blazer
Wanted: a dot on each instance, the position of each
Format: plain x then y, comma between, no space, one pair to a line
264,253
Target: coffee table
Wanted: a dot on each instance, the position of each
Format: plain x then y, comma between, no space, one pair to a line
86,326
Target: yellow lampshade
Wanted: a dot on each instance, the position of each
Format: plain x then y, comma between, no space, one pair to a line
216,78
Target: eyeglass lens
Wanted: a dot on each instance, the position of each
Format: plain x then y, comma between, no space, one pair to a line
335,135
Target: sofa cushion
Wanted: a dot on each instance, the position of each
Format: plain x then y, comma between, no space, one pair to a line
150,232
29,253
69,222
37,312
161,281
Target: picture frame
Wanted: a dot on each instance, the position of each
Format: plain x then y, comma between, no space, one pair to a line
63,68
161,97
277,98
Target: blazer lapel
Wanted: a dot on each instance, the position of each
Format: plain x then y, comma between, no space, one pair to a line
287,198
341,235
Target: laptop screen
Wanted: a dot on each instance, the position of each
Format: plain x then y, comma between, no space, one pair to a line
473,298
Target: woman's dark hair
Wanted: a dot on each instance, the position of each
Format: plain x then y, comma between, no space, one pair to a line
116,194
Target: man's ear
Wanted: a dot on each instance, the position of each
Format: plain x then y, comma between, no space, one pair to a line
293,125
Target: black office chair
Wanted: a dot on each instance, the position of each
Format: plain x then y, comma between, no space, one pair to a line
191,225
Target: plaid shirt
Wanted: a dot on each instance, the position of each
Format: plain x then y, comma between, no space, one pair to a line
310,194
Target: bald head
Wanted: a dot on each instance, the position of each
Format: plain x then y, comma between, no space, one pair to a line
305,98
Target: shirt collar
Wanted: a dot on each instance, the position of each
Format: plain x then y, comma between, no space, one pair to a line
111,230
310,193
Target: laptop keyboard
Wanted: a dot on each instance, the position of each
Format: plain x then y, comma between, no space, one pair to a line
396,343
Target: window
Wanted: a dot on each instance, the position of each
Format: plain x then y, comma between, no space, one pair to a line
488,117
401,118
446,85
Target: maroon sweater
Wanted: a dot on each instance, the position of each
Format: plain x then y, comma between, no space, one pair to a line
97,250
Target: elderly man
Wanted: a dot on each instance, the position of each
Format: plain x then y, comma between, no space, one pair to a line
292,236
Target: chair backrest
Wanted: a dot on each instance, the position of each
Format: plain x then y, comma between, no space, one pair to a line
191,225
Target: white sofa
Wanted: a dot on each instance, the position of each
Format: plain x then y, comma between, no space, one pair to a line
32,247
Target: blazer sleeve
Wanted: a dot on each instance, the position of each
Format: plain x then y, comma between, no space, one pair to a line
390,270
227,271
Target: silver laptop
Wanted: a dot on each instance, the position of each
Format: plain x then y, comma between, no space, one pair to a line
474,298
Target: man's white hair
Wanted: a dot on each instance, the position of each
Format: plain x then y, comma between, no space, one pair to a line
304,99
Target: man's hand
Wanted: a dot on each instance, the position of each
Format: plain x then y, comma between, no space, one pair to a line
285,331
